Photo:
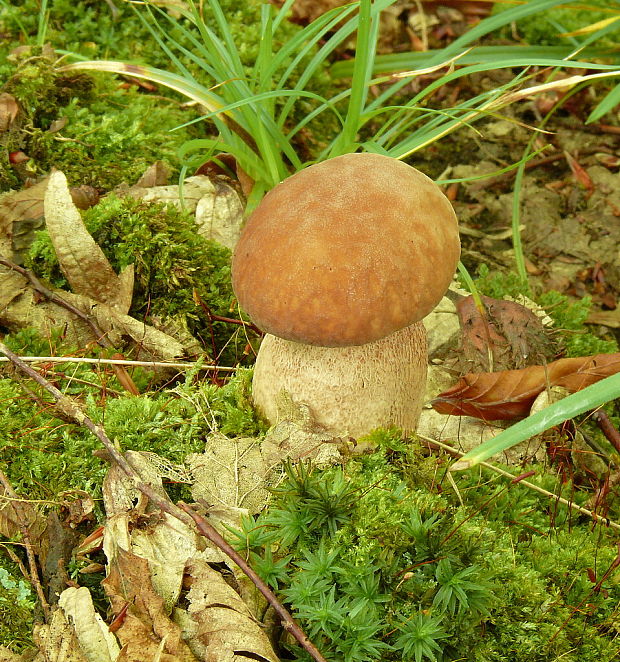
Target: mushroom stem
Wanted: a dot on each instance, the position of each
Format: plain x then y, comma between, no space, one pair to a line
349,390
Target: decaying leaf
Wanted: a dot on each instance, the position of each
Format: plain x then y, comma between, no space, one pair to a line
225,629
510,393
21,214
508,336
156,174
57,641
24,309
8,656
219,216
91,631
230,472
229,164
17,514
237,473
9,109
81,260
194,188
144,629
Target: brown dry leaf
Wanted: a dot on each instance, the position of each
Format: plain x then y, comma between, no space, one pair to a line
510,393
25,515
510,336
21,213
91,631
81,260
579,173
213,169
145,631
57,641
157,174
9,109
225,629
22,308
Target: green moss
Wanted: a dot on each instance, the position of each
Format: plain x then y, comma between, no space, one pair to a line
110,134
501,577
17,602
546,27
171,261
569,317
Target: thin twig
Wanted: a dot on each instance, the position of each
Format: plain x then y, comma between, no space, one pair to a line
212,534
607,428
584,511
146,364
23,527
100,336
183,513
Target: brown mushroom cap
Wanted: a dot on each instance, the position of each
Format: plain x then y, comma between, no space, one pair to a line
346,252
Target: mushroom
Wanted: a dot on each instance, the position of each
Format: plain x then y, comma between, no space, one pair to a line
338,264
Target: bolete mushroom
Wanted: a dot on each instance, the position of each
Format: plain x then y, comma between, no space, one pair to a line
338,264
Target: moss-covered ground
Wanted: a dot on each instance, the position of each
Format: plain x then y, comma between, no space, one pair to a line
382,557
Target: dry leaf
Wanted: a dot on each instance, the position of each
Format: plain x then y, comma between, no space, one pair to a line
57,641
9,109
12,519
145,631
212,169
91,631
230,472
8,656
156,174
225,629
509,336
219,216
579,173
81,260
510,393
194,188
21,213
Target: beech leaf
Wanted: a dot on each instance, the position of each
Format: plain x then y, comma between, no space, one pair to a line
510,393
81,260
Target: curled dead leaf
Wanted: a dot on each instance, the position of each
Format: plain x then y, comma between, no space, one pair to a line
509,394
81,260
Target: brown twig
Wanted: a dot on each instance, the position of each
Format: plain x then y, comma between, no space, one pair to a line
607,428
229,320
23,527
211,533
182,513
100,336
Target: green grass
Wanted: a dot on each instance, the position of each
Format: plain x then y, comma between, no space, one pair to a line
252,113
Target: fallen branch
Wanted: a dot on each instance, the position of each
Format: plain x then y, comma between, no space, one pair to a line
185,514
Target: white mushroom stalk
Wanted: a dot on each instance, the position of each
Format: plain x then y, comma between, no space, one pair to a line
349,390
